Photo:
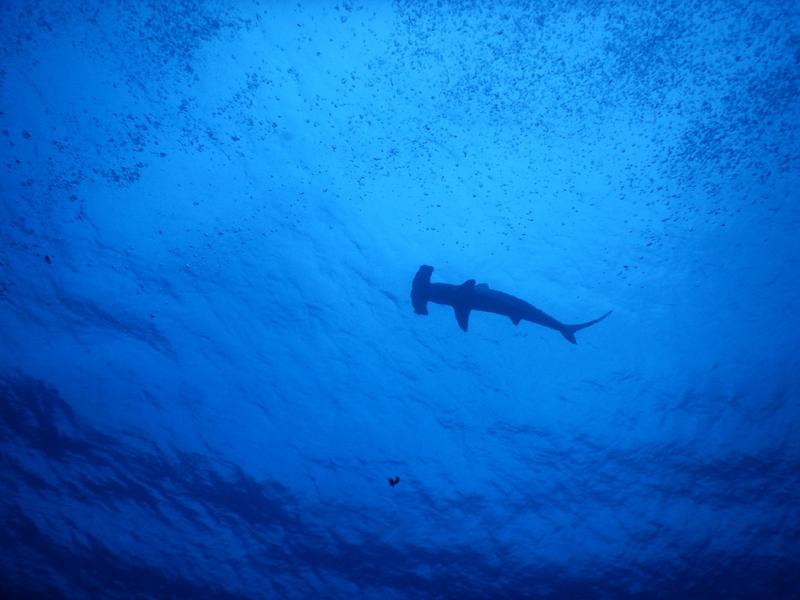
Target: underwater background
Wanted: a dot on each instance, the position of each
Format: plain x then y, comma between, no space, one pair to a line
210,366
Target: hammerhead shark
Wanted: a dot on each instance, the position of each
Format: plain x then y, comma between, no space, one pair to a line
468,297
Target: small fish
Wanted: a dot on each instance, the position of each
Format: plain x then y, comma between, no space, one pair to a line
394,481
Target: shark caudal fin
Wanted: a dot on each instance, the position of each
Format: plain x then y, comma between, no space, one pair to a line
569,330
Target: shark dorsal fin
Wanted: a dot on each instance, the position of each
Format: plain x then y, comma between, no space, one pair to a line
462,316
468,284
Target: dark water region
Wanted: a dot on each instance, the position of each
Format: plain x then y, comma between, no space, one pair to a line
213,383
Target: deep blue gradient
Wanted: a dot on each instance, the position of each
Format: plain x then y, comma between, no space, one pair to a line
210,216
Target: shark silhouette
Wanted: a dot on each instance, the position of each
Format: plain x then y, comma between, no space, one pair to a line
468,297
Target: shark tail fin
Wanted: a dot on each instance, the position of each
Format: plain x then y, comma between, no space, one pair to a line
569,330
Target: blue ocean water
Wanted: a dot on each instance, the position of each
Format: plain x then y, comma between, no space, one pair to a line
210,217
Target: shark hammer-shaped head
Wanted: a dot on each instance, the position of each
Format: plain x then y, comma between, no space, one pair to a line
419,289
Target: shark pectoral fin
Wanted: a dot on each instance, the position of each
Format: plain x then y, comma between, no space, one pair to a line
462,307
515,320
462,316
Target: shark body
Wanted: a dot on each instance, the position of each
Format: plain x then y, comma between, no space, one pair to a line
468,296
